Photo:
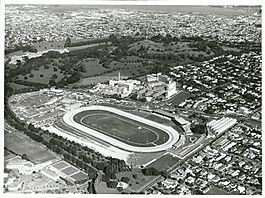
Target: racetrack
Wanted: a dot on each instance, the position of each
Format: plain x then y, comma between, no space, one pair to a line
121,129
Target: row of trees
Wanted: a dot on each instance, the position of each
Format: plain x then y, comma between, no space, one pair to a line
78,155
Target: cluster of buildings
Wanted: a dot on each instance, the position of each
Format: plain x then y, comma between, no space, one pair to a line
25,176
232,164
157,86
121,88
151,87
217,85
24,24
176,119
221,125
51,104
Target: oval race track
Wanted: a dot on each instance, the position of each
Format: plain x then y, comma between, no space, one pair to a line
121,129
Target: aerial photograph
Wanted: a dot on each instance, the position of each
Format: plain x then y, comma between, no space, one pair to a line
132,99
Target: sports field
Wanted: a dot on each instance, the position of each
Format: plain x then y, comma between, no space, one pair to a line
34,99
216,191
21,144
165,162
122,128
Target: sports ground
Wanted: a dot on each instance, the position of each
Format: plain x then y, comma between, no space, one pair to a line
124,129
121,129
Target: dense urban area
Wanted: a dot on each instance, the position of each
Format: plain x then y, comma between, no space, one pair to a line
133,100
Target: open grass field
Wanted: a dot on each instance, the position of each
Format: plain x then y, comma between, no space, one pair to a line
179,98
8,155
21,144
137,179
16,86
79,176
102,188
119,127
142,158
49,45
85,46
60,165
95,80
216,191
70,170
91,67
45,73
165,162
36,99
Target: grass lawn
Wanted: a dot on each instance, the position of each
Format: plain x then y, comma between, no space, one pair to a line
8,155
143,158
70,170
16,86
135,183
91,67
179,98
159,120
164,162
36,99
85,46
47,75
49,45
216,191
94,80
102,188
21,144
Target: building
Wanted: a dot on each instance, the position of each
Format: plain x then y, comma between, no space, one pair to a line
171,89
22,166
16,185
122,87
176,119
51,174
161,85
163,78
221,125
151,78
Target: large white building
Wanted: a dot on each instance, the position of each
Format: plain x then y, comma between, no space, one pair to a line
171,89
23,166
160,84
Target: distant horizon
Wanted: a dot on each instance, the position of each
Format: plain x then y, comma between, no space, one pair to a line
202,9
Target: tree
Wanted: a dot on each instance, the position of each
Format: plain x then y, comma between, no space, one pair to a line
90,187
67,42
100,165
112,184
52,82
198,129
24,156
150,171
74,78
125,179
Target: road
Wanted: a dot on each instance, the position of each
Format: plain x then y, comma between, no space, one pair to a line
176,166
151,183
